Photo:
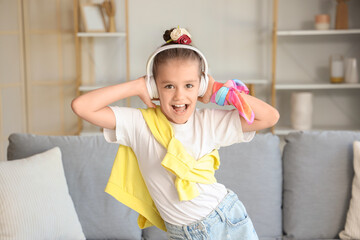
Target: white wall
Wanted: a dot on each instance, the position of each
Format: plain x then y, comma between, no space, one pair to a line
228,32
235,36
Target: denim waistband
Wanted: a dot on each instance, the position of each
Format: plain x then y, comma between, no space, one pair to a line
211,218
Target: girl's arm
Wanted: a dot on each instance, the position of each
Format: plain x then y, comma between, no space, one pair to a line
93,106
265,115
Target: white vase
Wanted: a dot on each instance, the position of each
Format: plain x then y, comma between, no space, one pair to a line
351,72
301,110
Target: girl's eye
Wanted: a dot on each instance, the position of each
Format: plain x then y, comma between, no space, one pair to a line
169,86
189,85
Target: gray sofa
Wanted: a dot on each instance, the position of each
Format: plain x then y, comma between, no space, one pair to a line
302,193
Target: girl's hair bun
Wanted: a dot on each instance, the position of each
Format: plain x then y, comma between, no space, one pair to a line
166,35
177,35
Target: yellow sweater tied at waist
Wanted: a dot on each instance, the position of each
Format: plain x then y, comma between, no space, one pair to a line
127,185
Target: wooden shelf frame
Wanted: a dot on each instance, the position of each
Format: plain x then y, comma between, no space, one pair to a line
78,46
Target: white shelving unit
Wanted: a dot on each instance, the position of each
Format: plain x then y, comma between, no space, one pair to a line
87,88
81,87
256,81
107,34
317,32
294,86
314,86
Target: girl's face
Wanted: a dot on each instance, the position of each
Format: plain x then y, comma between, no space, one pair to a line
178,84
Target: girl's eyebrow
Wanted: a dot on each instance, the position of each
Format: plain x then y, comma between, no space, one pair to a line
165,82
192,80
172,82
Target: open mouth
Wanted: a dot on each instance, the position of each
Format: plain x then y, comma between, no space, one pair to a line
180,108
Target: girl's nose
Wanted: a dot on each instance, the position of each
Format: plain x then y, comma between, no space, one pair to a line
178,94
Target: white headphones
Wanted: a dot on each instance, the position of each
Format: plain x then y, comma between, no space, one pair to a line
150,81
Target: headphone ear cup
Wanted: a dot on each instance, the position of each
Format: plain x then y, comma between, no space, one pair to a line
151,87
203,85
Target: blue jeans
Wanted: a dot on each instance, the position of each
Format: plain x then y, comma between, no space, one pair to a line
228,221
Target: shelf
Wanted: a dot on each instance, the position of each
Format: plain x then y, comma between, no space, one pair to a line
86,88
286,130
317,32
101,34
86,56
323,86
319,87
90,133
249,81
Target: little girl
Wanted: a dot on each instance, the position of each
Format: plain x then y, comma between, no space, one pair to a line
175,144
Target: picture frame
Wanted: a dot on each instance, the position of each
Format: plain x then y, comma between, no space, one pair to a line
93,17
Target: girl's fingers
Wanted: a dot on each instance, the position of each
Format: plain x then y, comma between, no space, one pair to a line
144,94
147,101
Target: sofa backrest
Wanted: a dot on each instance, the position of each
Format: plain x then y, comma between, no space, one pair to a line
252,170
318,174
87,162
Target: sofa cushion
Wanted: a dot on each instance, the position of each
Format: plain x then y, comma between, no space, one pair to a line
87,162
35,201
253,170
318,173
154,233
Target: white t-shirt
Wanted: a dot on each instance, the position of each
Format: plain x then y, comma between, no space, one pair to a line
206,129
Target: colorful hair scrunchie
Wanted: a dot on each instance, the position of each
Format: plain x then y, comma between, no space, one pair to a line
229,94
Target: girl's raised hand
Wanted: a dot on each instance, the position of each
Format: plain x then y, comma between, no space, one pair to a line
206,98
143,92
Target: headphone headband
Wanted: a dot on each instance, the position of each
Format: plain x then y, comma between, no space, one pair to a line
171,46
